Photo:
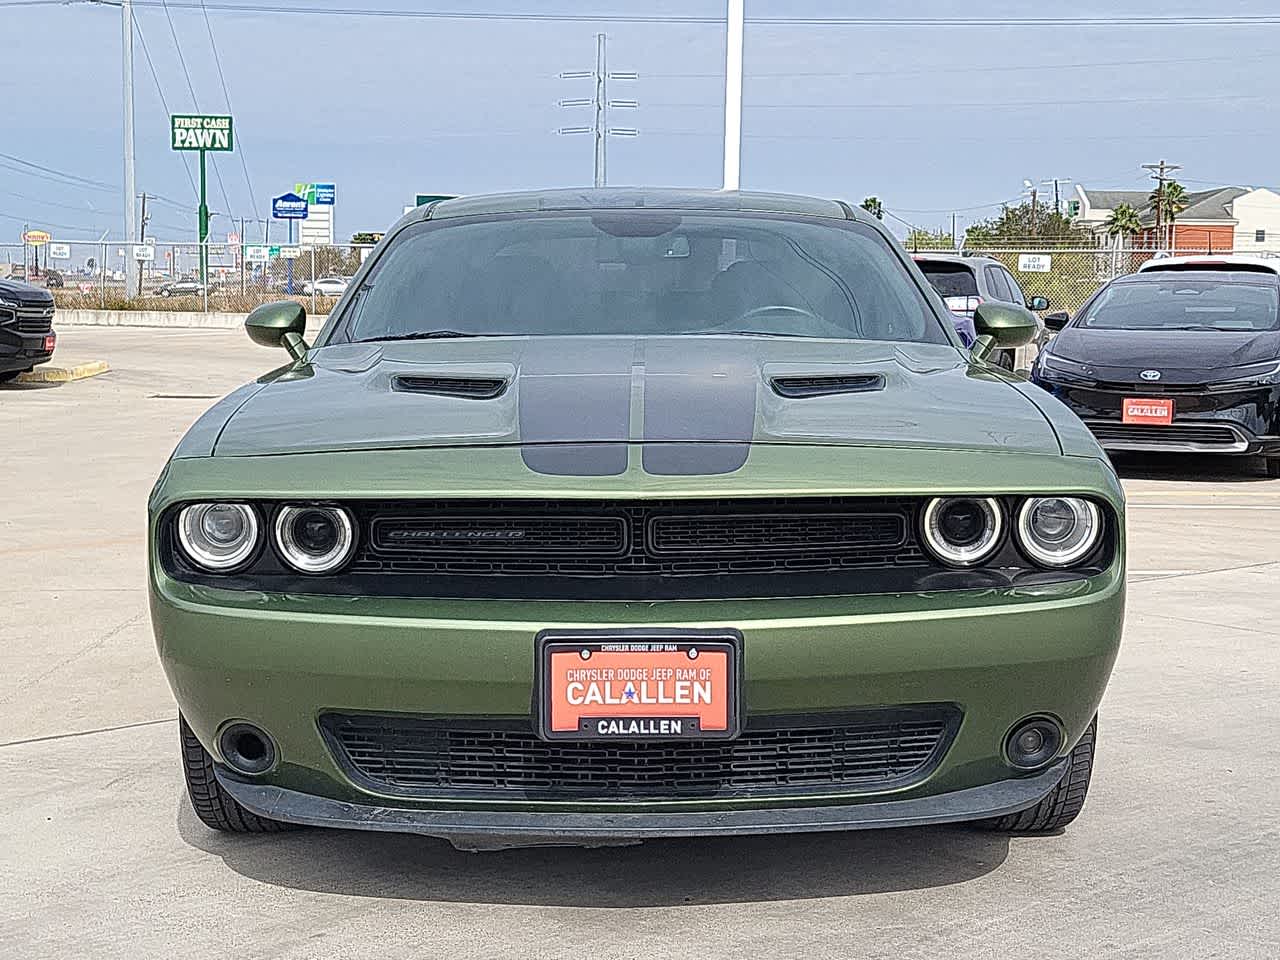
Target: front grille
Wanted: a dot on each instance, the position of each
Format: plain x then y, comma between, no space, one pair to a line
775,756
1173,434
28,320
667,538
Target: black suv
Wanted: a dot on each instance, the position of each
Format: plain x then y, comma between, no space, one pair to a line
26,327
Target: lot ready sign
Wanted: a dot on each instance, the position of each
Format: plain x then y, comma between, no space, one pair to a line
192,131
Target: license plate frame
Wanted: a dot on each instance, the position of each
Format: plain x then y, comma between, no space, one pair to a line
1157,411
663,647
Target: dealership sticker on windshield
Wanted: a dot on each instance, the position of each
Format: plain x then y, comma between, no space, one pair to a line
628,685
1138,410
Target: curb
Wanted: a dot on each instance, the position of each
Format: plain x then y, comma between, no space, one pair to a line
50,374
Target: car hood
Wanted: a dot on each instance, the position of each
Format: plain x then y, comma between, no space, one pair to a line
1185,356
25,293
593,395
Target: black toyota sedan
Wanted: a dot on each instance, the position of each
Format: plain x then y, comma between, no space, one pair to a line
1170,361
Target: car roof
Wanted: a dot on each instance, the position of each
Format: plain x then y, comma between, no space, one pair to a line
1253,275
1226,263
630,198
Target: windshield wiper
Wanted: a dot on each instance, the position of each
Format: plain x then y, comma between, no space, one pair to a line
429,335
756,333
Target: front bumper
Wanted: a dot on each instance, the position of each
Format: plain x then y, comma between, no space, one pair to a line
281,662
24,351
477,829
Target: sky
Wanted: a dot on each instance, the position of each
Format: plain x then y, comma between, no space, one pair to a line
932,118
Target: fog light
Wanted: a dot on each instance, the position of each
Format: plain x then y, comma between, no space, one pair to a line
1032,743
246,748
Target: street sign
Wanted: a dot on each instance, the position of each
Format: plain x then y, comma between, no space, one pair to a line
192,131
36,237
256,254
144,252
273,251
290,253
421,199
60,251
289,206
1035,262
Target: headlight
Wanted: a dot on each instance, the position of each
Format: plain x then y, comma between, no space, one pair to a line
962,531
218,536
1251,375
314,539
1058,531
1050,367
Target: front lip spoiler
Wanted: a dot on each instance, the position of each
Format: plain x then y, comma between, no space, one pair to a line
528,827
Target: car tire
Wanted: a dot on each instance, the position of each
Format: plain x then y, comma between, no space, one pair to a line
8,375
215,807
1063,803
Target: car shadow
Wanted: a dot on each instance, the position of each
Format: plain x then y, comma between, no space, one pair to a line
653,874
1188,466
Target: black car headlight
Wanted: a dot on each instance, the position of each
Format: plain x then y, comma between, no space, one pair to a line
314,538
1253,375
962,531
1058,531
218,536
1058,370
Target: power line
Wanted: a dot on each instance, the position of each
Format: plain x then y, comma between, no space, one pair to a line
85,181
195,101
983,104
226,95
1137,20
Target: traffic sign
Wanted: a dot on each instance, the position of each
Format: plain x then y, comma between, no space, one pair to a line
60,251
200,131
36,237
144,252
420,199
289,206
256,254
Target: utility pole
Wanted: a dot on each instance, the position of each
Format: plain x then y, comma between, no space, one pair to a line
1057,201
734,16
130,226
600,103
1160,173
142,236
953,229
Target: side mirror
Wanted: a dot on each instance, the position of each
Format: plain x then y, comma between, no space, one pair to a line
1056,321
1038,303
280,324
1002,326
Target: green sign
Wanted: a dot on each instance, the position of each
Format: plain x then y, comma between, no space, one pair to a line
421,199
193,131
274,251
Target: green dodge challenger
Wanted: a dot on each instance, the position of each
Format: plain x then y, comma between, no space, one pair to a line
601,515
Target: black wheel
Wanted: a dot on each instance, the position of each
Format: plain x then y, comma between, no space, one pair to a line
214,806
1273,467
1065,800
9,375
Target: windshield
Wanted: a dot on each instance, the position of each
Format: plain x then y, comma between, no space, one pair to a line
641,273
1184,302
949,279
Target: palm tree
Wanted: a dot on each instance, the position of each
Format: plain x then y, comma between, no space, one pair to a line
1168,200
1122,225
874,207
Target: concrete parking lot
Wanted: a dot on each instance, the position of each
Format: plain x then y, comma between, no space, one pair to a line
1177,853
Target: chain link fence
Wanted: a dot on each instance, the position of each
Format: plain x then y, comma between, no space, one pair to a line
91,275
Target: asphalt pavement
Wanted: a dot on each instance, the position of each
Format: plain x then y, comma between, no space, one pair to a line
1177,853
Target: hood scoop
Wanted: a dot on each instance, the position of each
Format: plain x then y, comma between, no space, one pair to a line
826,385
438,385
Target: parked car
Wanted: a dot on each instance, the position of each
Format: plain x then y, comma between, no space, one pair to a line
190,287
555,536
53,279
1180,358
964,283
326,287
26,328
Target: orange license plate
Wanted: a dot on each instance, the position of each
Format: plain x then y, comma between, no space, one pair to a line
629,685
1139,410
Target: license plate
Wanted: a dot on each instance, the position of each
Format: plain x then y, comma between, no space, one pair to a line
1139,410
638,685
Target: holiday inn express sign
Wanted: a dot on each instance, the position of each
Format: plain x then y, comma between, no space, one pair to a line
201,132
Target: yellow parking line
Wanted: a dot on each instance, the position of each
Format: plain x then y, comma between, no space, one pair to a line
51,374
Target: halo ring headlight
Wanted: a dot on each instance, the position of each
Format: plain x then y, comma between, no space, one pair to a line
314,538
963,531
218,536
1058,531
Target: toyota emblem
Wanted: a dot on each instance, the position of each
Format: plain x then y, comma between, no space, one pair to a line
1150,374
